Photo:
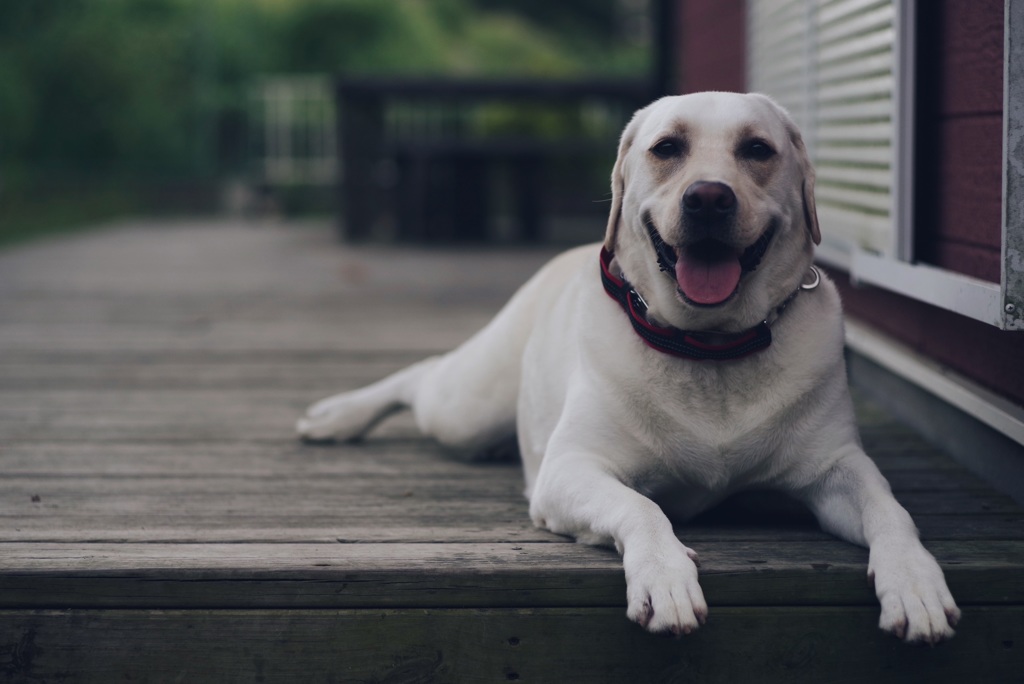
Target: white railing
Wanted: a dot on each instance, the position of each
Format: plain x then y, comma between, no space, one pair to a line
294,138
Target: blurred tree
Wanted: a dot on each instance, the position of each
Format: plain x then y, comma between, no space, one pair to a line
107,81
158,88
581,18
362,35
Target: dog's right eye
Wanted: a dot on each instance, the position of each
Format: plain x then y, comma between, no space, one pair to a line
666,149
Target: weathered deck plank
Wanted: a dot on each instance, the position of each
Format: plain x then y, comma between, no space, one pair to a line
159,517
556,645
481,574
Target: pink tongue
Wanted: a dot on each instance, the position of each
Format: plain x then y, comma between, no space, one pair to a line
707,280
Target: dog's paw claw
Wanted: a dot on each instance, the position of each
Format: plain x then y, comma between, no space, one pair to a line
640,613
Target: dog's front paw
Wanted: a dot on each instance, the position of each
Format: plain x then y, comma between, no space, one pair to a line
662,590
916,604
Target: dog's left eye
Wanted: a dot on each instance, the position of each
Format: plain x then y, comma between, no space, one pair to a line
757,150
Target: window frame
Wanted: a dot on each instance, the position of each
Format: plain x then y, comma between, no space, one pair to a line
999,304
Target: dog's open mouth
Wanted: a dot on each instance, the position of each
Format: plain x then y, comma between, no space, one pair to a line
708,272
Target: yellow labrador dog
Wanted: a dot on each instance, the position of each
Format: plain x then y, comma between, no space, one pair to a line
694,354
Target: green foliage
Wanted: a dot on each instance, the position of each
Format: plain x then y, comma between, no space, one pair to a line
362,36
589,18
136,86
501,44
107,83
147,88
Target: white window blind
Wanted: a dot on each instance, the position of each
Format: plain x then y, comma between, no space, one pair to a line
832,64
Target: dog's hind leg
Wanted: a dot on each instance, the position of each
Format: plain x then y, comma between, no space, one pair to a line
350,415
465,399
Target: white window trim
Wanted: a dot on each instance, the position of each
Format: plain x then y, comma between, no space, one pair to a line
1001,305
963,294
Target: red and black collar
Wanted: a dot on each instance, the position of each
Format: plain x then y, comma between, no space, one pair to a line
689,344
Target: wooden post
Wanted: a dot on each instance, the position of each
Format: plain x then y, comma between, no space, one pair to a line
360,134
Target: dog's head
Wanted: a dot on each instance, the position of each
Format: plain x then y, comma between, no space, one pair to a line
713,218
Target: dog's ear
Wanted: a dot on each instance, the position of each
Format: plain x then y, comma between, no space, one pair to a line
806,168
619,182
615,213
807,188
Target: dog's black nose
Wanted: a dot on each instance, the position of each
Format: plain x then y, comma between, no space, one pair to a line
709,201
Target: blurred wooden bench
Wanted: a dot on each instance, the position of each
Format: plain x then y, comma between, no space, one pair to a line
421,158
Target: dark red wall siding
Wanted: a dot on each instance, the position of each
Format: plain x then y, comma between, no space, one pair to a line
960,105
991,357
970,34
959,222
712,42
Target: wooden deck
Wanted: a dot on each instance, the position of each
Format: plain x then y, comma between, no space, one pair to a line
161,522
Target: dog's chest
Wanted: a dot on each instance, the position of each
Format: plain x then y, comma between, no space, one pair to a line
691,468
709,428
